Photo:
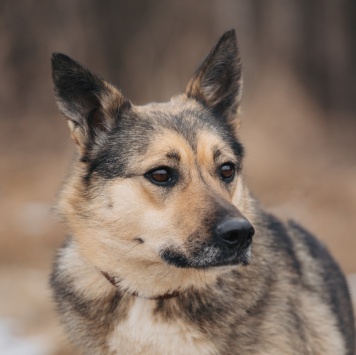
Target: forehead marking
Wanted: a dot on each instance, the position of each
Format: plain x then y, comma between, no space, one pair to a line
174,155
216,153
211,147
171,145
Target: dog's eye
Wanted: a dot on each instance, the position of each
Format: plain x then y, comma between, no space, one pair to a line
227,172
163,176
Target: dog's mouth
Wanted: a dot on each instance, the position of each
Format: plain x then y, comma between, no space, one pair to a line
208,256
229,244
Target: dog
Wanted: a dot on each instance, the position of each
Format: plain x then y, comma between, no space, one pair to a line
169,253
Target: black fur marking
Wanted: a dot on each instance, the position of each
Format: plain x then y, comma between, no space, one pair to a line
96,121
127,140
201,308
237,148
200,257
211,313
217,82
198,308
174,155
175,258
76,87
132,135
282,242
80,94
124,107
216,154
110,278
335,293
96,317
297,323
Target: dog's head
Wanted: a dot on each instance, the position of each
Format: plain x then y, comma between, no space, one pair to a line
157,193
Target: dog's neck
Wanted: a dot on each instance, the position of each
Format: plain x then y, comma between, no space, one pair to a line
100,280
165,296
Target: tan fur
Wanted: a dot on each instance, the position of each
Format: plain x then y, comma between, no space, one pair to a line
148,268
142,334
112,247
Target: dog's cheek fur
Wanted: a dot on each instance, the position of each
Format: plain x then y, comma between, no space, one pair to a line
104,224
109,218
105,237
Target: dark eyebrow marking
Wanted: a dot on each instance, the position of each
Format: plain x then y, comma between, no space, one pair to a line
173,155
216,153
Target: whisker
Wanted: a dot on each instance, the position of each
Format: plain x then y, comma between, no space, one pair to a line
134,246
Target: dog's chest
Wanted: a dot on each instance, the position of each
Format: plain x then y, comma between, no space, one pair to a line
143,333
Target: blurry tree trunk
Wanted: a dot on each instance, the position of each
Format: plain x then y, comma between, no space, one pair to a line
315,37
318,39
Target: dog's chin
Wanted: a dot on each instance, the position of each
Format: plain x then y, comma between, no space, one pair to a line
206,258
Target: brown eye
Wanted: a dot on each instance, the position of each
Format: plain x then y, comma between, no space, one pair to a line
227,172
162,176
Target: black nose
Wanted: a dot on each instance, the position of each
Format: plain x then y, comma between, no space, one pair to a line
235,233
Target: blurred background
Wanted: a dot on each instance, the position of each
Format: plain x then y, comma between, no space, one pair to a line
299,124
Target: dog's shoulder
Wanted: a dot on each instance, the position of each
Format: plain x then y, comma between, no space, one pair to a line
87,303
312,267
333,284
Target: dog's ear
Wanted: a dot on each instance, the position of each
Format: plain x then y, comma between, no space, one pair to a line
90,104
217,83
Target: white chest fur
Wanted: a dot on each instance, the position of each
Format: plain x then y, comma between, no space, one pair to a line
142,333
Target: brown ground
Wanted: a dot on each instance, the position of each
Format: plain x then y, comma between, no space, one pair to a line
295,165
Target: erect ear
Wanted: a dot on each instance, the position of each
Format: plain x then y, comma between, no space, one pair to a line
90,104
217,83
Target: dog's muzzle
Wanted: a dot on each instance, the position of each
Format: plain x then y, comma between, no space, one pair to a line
228,244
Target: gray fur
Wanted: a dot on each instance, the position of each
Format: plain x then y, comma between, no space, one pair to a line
283,295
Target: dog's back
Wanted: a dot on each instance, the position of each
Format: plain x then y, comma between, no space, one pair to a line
169,253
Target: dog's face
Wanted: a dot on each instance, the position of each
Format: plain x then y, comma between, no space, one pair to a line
157,192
